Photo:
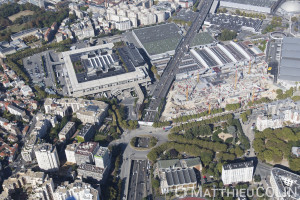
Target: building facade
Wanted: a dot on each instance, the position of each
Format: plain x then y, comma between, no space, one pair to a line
102,157
47,157
237,172
67,131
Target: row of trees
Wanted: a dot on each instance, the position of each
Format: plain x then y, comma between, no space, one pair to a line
203,122
190,149
240,133
214,146
160,124
286,94
196,116
233,106
274,145
120,113
259,101
252,15
61,46
196,131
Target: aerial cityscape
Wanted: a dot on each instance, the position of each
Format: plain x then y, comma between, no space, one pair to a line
150,99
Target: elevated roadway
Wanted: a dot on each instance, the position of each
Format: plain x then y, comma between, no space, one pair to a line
162,88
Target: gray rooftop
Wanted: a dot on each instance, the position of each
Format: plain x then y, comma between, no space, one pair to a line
290,60
282,177
23,32
233,22
159,39
238,165
260,3
189,162
202,38
181,176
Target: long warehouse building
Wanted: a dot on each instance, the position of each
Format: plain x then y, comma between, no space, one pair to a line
210,58
265,6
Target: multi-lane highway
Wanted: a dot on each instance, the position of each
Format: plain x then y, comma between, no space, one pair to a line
162,88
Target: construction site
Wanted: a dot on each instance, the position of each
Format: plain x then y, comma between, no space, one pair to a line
240,82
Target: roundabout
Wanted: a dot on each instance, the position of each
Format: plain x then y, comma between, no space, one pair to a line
143,142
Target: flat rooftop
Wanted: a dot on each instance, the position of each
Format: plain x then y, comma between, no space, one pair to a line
238,165
159,39
185,15
290,61
286,180
260,3
96,69
202,38
233,22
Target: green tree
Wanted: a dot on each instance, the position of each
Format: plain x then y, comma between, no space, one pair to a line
227,35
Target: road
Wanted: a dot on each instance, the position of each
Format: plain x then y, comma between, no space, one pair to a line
162,88
139,180
132,154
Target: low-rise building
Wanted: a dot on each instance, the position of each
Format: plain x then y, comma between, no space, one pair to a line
86,133
88,111
83,29
279,114
178,174
67,131
27,151
85,152
237,172
12,47
16,111
25,33
91,172
93,114
173,180
70,152
77,190
37,185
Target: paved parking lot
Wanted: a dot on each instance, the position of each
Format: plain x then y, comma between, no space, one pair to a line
35,68
45,68
139,183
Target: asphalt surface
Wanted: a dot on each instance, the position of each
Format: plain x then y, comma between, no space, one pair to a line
133,154
139,179
168,76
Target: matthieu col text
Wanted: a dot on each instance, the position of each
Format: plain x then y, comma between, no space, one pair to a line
223,192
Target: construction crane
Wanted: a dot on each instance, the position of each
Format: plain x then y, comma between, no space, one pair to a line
187,93
236,78
209,107
249,67
253,95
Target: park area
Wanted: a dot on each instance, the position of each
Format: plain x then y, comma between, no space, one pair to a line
20,14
